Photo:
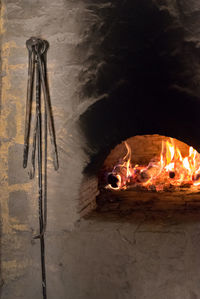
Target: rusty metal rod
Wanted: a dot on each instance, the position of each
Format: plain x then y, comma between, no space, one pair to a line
31,62
40,186
49,114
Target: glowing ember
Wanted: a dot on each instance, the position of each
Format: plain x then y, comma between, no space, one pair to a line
171,170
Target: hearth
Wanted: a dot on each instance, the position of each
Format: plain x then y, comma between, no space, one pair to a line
168,112
124,188
160,164
144,172
144,79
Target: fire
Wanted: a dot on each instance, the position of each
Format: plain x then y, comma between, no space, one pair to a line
171,169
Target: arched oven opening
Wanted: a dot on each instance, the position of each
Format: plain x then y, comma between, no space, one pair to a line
114,127
143,74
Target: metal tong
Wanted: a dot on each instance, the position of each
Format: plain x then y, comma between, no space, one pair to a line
37,60
37,49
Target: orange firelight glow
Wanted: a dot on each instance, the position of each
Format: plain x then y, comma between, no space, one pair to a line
171,169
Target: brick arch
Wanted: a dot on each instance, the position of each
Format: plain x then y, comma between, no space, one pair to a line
112,120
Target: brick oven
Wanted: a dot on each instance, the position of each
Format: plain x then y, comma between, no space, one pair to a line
143,74
117,70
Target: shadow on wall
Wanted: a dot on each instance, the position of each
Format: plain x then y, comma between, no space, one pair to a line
144,67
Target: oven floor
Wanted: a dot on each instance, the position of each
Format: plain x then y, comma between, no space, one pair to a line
128,201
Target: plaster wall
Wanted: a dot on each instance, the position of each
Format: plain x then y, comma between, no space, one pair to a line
63,25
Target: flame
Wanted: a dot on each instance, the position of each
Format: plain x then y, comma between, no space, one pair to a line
172,169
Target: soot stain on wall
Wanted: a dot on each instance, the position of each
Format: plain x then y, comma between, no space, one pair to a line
144,69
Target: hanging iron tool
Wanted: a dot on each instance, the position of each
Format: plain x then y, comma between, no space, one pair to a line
37,49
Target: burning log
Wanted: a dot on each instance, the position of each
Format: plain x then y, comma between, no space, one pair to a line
113,180
147,173
172,174
143,176
170,170
196,177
